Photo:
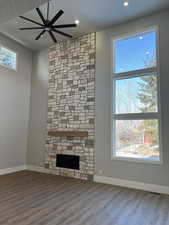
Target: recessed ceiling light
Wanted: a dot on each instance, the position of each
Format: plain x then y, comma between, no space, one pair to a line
141,38
125,3
77,22
147,53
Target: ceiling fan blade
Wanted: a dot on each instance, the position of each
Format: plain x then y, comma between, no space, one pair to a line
52,36
62,33
31,28
65,25
56,17
32,21
48,11
41,16
41,33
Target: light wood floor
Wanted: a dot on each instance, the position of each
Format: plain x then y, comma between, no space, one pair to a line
29,198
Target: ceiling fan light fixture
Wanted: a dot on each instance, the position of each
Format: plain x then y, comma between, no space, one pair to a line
47,28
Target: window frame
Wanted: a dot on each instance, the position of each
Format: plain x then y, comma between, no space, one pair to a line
135,116
8,67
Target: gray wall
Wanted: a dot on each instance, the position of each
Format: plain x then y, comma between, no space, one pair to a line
14,107
148,173
38,108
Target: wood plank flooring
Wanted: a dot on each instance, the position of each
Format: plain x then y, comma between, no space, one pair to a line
30,198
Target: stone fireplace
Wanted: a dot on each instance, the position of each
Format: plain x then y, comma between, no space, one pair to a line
71,106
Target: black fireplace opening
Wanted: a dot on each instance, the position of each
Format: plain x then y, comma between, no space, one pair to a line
67,161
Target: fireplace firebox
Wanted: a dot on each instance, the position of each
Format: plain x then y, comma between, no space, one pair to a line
67,161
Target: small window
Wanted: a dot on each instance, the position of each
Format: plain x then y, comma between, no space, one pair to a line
8,58
135,106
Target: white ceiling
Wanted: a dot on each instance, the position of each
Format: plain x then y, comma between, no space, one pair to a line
10,9
93,15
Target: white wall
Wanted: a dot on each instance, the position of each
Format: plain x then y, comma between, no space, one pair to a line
147,173
38,108
14,107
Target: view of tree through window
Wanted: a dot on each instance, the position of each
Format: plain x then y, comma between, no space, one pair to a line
136,95
137,139
135,114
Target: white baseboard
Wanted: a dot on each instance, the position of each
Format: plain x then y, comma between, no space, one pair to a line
24,167
12,169
132,184
101,179
37,169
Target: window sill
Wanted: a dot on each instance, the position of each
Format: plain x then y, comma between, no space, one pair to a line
139,160
8,67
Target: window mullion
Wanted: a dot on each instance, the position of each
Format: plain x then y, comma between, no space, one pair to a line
134,74
136,116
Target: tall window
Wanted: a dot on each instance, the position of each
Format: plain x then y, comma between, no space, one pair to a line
8,58
135,108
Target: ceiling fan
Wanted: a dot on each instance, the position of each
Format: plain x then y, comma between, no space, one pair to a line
48,25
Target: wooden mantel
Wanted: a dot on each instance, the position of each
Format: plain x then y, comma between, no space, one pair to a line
60,133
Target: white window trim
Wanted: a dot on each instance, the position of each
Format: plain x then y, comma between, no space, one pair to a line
8,67
130,74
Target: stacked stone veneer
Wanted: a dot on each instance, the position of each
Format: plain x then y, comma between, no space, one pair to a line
71,104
